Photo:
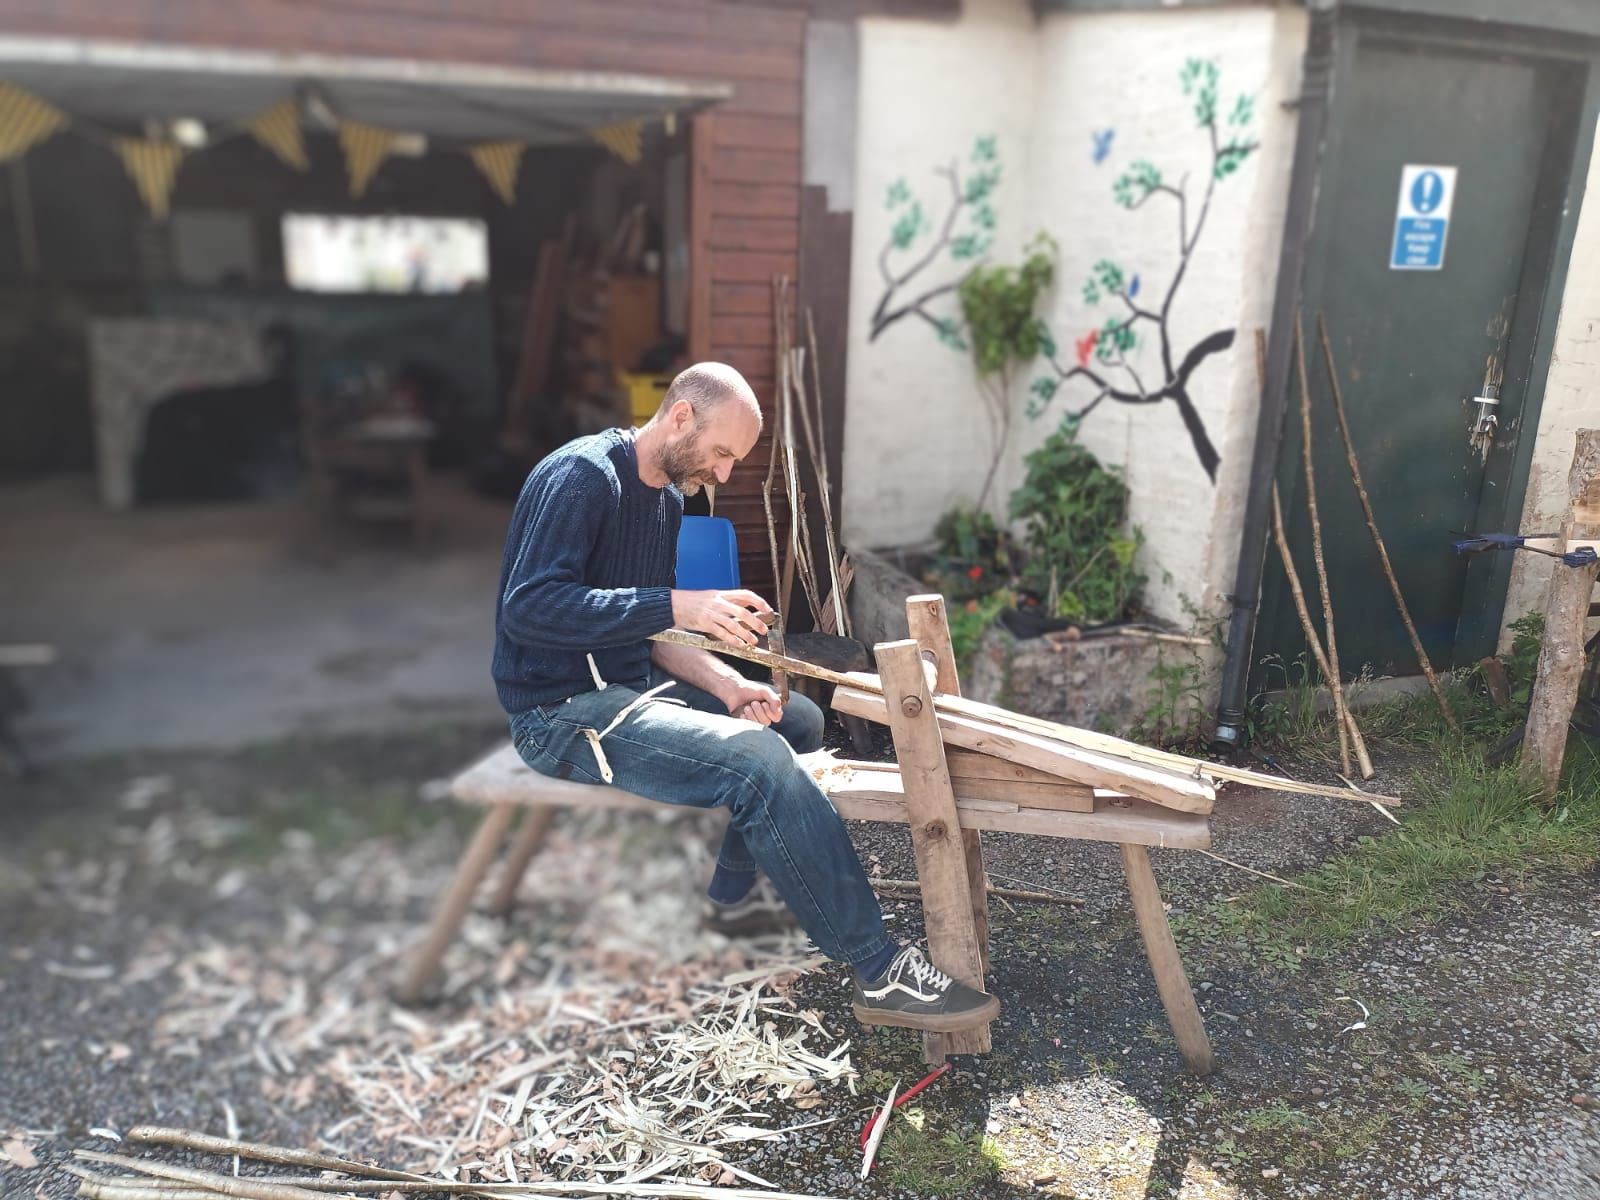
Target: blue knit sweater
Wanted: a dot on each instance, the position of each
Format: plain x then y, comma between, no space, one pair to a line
588,568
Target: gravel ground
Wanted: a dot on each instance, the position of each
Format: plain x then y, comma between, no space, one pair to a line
1471,1077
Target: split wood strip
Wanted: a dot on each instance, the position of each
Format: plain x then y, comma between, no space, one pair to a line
1335,682
936,837
1057,794
1087,738
264,1189
1185,793
1372,526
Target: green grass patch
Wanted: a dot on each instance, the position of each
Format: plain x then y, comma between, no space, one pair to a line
1463,820
921,1158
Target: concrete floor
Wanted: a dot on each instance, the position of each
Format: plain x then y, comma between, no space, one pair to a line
212,626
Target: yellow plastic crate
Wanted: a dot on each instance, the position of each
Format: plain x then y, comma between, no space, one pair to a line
644,393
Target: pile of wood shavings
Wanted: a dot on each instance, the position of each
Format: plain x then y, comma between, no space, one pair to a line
602,1034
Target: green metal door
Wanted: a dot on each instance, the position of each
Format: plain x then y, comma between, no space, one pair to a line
1419,322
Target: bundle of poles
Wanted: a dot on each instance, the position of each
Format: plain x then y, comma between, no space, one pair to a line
1326,652
324,1176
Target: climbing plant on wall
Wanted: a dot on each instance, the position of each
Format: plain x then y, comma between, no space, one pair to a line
1107,357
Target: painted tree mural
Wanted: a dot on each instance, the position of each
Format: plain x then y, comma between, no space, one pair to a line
924,266
1107,357
966,231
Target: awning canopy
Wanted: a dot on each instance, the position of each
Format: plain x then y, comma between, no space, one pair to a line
122,84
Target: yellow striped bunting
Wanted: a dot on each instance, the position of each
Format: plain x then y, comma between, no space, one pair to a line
278,129
625,139
153,166
499,162
365,148
25,121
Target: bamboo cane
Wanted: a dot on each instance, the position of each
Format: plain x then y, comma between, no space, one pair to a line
1372,527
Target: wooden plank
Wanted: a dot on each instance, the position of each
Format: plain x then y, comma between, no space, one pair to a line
747,266
741,299
758,131
947,909
862,792
740,164
1177,997
757,200
969,764
925,621
1123,820
1184,793
761,234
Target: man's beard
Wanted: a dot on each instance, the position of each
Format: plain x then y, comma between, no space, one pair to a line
679,464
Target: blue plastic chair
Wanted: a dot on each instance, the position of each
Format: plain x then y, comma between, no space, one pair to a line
708,553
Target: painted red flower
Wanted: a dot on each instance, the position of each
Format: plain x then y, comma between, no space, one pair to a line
1086,345
974,572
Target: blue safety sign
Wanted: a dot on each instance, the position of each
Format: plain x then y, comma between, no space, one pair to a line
1422,217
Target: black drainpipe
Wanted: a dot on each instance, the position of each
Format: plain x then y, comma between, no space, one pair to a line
1315,89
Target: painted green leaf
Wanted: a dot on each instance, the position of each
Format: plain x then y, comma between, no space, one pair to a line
899,193
907,226
1244,109
985,149
1135,184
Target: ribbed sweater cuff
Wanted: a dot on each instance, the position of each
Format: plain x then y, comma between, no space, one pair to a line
654,609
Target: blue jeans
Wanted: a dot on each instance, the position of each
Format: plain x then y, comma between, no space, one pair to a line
781,821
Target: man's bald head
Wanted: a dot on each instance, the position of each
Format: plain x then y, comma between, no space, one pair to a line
708,421
708,386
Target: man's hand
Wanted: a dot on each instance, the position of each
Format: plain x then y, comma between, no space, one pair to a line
737,617
753,702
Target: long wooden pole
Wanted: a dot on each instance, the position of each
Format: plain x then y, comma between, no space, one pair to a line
1088,739
1566,612
1335,683
1302,609
1372,527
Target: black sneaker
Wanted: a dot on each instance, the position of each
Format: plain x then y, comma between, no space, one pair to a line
761,913
914,994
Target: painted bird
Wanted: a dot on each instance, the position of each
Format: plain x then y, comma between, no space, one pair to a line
1580,555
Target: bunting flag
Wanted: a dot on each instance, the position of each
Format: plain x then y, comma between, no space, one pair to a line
365,148
153,167
25,121
499,162
625,139
278,129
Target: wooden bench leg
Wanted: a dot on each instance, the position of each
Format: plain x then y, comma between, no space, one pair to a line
1177,997
453,906
530,836
936,836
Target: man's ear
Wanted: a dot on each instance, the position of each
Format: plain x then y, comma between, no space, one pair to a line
680,416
